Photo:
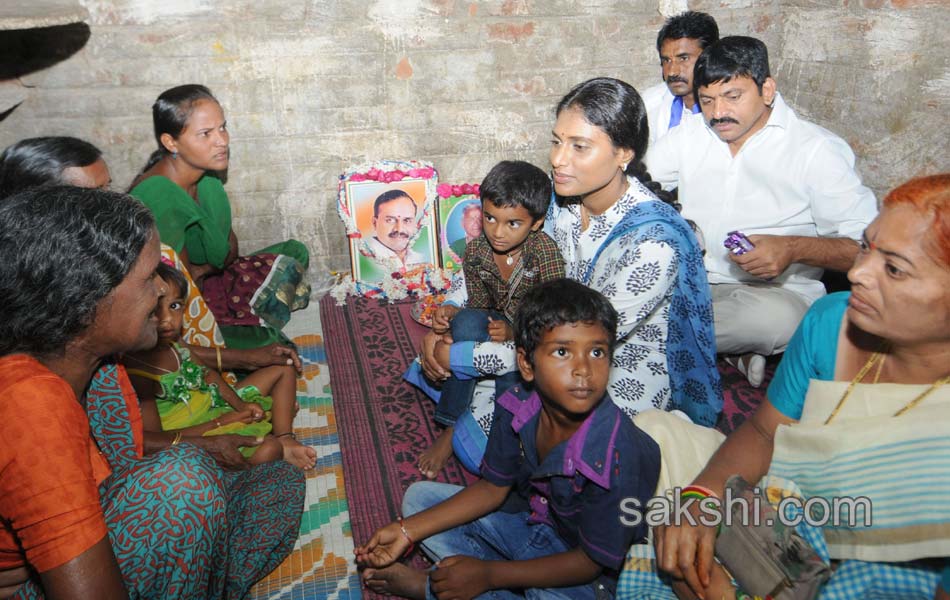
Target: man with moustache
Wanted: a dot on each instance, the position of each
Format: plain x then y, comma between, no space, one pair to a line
394,220
750,164
679,43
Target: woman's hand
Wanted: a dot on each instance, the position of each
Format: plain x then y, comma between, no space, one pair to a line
720,586
461,577
199,272
224,448
443,317
685,551
266,356
386,546
434,356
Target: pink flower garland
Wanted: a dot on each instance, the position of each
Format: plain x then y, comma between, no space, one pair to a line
445,190
375,174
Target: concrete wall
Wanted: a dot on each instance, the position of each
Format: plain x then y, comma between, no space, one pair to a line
877,72
312,86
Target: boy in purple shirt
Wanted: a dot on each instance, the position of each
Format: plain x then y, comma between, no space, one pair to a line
545,519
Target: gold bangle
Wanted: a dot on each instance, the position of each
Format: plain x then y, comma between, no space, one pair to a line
217,351
177,439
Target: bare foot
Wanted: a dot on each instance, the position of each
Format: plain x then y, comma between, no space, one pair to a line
397,579
297,454
433,460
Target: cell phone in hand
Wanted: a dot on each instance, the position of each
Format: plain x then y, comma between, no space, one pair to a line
737,243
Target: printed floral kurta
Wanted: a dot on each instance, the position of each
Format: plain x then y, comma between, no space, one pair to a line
638,280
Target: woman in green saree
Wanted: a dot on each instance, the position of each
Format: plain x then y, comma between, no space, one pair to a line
251,296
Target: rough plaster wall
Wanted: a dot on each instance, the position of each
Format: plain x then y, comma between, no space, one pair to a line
877,72
312,86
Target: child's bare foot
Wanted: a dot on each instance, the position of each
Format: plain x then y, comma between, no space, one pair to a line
297,454
433,460
397,579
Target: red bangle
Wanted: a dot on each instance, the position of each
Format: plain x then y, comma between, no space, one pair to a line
412,544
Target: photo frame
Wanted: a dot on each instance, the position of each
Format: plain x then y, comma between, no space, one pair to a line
387,208
459,221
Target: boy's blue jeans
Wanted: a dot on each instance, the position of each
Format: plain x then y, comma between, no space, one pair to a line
469,325
496,536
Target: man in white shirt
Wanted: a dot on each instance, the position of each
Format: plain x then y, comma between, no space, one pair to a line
748,163
394,221
679,43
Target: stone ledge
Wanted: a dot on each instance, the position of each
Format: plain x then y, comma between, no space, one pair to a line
40,13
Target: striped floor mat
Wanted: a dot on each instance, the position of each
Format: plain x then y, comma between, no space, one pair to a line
321,565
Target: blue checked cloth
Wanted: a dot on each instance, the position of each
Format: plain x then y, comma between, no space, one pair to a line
852,579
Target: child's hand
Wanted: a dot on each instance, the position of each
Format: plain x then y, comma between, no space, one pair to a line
461,577
245,416
386,546
443,316
256,410
499,330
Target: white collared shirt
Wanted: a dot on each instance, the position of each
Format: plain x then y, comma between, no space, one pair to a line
384,254
791,177
658,100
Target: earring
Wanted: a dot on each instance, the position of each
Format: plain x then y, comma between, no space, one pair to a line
174,155
623,167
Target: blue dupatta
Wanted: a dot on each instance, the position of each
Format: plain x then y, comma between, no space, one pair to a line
695,388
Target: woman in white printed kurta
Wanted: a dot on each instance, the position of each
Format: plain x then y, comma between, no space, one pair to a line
618,238
637,278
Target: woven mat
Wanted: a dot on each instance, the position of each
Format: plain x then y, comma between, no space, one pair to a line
321,564
384,423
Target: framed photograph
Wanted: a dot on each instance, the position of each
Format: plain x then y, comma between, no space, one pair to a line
460,221
387,208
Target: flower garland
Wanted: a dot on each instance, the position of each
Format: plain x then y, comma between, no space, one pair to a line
384,171
419,281
453,262
445,190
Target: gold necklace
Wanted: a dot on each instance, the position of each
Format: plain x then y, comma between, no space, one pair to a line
879,358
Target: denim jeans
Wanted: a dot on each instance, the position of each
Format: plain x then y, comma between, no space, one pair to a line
469,325
496,536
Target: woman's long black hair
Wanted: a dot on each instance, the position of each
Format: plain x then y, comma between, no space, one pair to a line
615,107
41,161
170,115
